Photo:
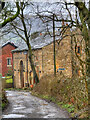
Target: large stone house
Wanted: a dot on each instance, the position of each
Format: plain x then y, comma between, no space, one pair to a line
43,57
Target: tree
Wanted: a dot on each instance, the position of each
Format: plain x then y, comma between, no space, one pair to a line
2,5
84,26
84,15
9,19
24,33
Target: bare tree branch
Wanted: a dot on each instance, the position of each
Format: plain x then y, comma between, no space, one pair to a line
11,18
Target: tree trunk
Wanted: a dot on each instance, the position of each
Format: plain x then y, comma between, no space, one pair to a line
32,63
29,46
84,14
33,67
85,33
72,59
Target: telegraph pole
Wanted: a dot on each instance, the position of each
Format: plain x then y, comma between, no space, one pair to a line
54,46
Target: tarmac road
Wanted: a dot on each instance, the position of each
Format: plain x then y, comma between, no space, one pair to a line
24,105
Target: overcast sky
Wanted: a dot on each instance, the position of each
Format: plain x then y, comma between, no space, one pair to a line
46,6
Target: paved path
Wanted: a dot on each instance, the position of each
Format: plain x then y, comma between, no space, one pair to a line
24,105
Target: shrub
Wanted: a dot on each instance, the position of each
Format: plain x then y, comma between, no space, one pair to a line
4,99
63,89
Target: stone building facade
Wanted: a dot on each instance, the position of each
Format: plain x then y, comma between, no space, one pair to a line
43,58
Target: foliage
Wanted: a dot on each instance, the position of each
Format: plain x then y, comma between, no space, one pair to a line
70,108
45,96
4,99
3,106
9,79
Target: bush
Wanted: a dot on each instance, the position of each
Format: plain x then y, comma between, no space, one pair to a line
4,99
64,89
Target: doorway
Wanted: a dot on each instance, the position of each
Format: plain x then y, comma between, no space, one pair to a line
21,74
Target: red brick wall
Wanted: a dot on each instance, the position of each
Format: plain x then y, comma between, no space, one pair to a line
0,60
6,52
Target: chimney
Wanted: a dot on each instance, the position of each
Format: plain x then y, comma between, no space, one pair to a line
62,22
40,33
66,24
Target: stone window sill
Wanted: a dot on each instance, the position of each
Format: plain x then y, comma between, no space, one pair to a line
9,65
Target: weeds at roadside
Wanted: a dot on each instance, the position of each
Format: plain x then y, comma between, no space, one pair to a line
69,107
19,89
4,102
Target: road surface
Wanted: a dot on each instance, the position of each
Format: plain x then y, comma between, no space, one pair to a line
24,105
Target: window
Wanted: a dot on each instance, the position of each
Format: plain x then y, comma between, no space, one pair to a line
78,51
9,61
76,71
25,52
39,71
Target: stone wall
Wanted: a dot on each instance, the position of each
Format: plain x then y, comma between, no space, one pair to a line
44,62
5,85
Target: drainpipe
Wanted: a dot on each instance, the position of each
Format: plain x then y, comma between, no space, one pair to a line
27,66
42,62
13,69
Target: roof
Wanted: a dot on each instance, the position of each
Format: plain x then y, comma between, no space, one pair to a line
12,44
36,43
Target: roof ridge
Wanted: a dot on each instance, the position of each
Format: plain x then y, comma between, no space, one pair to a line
9,43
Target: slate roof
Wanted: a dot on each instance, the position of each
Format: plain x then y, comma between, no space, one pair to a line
36,43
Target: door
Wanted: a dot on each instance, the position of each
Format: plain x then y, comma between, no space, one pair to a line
21,74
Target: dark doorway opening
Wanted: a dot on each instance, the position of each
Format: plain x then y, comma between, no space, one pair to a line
21,74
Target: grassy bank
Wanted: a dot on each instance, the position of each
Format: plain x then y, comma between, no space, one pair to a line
66,93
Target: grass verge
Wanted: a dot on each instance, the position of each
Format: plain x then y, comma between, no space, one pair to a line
70,108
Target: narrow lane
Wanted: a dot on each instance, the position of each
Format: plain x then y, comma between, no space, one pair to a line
24,105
